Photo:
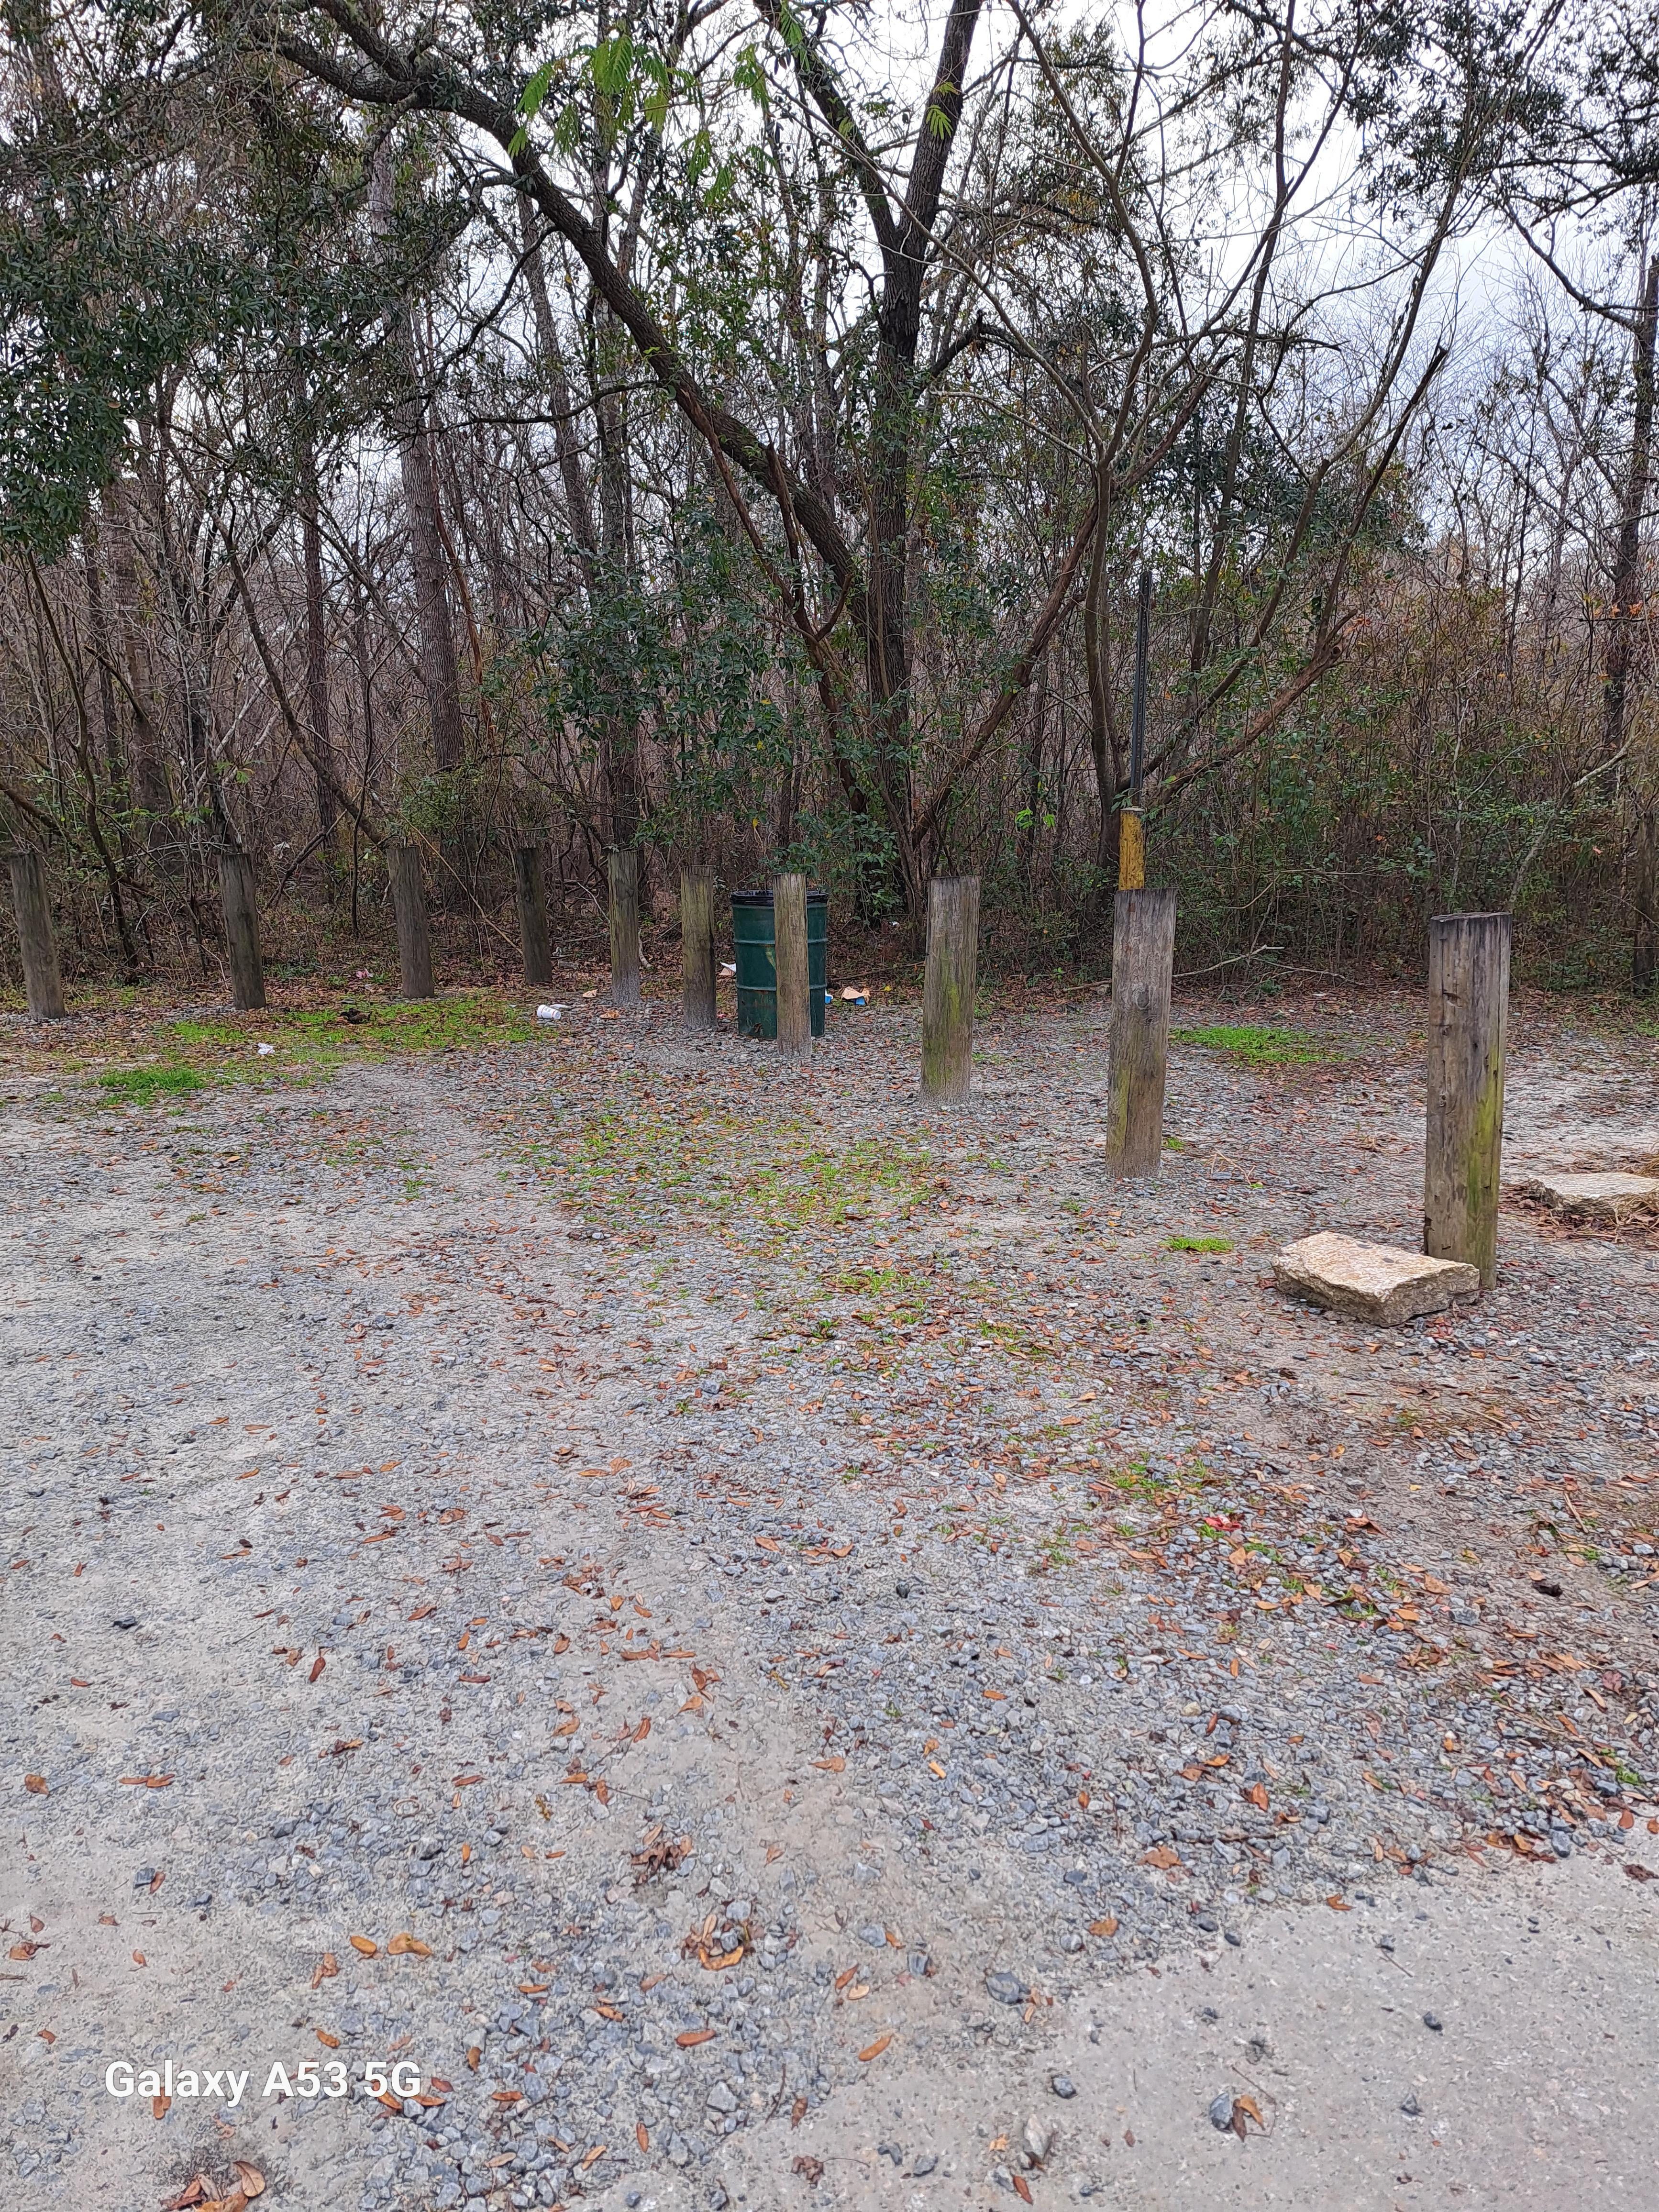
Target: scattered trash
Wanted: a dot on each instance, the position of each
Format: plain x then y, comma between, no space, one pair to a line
265,1050
728,967
857,994
550,1013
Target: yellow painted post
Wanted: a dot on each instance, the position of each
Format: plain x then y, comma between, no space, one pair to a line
1131,850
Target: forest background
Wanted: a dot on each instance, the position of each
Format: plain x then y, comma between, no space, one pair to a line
737,430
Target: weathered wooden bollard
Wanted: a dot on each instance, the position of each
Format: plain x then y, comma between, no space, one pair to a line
790,958
1143,965
697,945
947,990
43,980
239,899
625,928
532,914
1468,1008
402,865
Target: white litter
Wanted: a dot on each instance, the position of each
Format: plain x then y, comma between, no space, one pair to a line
549,1013
265,1049
728,967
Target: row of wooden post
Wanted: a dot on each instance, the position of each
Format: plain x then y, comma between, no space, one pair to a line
1468,995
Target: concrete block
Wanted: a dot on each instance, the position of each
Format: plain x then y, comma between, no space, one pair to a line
1596,1197
1374,1282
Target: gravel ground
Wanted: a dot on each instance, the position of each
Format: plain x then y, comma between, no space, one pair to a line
768,1586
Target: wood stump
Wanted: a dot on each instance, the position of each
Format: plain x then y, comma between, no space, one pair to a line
789,957
532,914
42,978
625,928
1468,1010
697,945
240,900
403,863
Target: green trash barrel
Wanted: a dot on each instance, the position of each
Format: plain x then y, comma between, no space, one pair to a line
758,973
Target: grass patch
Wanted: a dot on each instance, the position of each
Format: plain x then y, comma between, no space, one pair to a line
1198,1244
1256,1045
143,1087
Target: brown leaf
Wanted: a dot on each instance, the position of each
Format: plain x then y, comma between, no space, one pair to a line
24,1951
139,1959
810,2170
158,2106
404,1945
1106,1927
316,1667
1022,2188
601,1790
35,1785
1339,1904
836,1765
1257,1796
1165,1856
874,2050
252,2181
327,1967
642,2134
1633,1867
472,2057
694,2036
362,1943
329,2042
798,2112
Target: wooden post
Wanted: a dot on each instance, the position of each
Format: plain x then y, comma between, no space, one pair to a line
625,928
1143,963
947,990
1468,1005
697,945
532,914
42,978
1131,850
789,957
241,910
402,865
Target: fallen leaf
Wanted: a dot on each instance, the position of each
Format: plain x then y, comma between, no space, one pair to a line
1107,1927
35,1785
768,1543
402,1945
798,2112
1165,1856
362,1943
1258,1797
472,2057
1633,1867
1022,2188
642,2134
596,2153
139,1959
329,2042
874,2050
252,2181
836,1765
158,2106
327,1967
1339,1904
810,2170
25,1951
693,2036
316,1667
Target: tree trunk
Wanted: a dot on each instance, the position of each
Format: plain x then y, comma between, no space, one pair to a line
439,675
311,546
1627,557
1645,886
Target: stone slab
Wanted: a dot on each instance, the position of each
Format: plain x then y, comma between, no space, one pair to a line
1613,1197
1374,1282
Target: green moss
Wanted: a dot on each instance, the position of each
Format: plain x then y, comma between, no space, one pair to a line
1198,1244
